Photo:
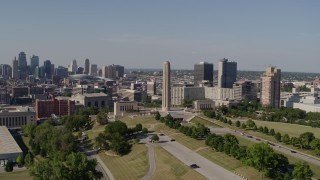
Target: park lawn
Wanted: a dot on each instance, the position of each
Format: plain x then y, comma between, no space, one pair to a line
131,166
20,175
169,167
205,122
146,121
93,133
219,158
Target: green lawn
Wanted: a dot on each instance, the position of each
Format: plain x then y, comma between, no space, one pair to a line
131,166
205,122
21,175
168,167
146,121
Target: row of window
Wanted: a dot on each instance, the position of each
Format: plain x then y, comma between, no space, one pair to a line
125,108
13,121
205,106
96,103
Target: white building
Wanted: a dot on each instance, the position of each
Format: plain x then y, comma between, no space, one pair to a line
122,107
203,104
217,93
178,94
16,116
9,149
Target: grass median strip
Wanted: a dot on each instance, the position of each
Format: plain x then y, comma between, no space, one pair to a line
205,122
168,167
20,175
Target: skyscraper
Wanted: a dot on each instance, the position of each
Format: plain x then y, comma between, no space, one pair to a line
22,65
5,71
227,73
166,94
86,66
93,70
34,62
47,69
203,71
73,67
119,70
270,87
15,68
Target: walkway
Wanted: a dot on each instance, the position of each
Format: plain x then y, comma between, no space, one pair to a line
152,162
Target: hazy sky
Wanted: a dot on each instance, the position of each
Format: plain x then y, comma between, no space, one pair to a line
144,33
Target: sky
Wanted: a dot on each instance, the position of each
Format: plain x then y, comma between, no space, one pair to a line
145,33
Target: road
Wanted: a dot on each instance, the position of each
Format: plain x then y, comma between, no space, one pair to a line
275,146
152,162
207,168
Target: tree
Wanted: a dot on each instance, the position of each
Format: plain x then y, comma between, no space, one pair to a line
315,144
100,142
250,123
272,132
138,127
278,136
302,171
157,116
306,139
286,139
265,130
28,160
238,123
102,118
260,156
261,129
229,122
154,138
243,126
144,131
19,160
9,166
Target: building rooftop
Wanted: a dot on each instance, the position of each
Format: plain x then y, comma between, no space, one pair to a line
7,142
93,94
15,109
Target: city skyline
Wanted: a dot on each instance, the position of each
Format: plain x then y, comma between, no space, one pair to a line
146,33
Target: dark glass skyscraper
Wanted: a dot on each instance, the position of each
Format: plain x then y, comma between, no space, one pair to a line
34,62
227,74
22,65
47,69
203,72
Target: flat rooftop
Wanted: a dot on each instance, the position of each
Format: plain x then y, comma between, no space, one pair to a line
16,109
7,143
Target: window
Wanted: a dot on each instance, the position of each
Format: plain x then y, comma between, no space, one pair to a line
96,104
89,104
102,104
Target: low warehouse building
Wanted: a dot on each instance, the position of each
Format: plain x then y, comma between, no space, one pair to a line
9,149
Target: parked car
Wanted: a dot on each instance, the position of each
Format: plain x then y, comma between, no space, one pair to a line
194,166
161,134
172,140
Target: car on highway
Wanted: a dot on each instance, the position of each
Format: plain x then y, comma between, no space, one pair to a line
161,134
258,139
249,136
193,166
172,140
293,151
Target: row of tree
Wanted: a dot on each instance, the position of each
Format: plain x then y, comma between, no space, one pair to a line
260,155
306,140
196,132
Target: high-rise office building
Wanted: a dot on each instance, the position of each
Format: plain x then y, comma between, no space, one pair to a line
227,73
109,71
166,94
151,88
203,72
61,72
86,66
22,65
270,87
119,70
93,70
47,69
73,67
5,71
34,62
15,69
